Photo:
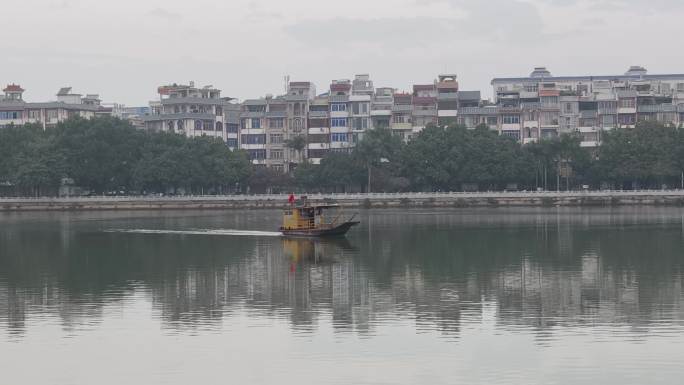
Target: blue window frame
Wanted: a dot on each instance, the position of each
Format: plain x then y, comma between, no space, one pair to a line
339,137
338,107
338,122
256,123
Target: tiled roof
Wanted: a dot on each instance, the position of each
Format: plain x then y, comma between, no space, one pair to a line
13,88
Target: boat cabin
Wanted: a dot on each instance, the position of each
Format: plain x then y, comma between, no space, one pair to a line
306,217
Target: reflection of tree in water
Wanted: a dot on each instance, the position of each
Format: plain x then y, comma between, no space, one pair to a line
437,272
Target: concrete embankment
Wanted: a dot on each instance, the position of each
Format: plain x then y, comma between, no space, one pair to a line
481,199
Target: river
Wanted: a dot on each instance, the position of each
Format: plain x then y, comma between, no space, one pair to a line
439,296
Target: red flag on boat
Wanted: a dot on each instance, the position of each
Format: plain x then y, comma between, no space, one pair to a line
291,199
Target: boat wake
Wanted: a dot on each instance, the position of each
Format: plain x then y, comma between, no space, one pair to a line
249,233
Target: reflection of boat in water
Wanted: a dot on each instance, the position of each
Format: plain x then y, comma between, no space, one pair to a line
315,250
315,221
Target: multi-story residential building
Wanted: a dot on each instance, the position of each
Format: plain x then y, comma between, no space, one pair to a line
318,134
188,110
543,106
447,98
253,136
402,115
381,107
424,110
341,139
267,124
360,105
298,98
14,110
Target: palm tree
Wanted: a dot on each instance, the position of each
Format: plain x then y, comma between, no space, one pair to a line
298,144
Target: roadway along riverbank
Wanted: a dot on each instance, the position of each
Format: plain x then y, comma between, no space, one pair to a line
377,200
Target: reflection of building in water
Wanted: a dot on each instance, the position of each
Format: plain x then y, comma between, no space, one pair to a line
439,280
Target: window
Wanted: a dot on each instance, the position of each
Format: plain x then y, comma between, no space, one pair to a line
549,101
180,125
338,107
401,119
276,154
628,119
567,108
8,115
608,120
338,122
491,120
511,119
278,168
232,128
256,154
338,137
277,123
512,134
627,103
276,138
219,126
360,108
297,125
253,139
232,143
256,123
208,125
34,114
169,125
680,87
198,124
360,124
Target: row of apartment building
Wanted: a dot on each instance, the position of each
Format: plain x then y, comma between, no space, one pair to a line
525,108
14,110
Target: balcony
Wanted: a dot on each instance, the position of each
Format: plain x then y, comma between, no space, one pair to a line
447,113
402,126
319,114
429,112
250,114
587,129
589,143
318,130
339,98
318,146
510,127
190,100
276,114
443,96
402,108
386,112
531,124
179,116
341,145
359,98
627,110
296,98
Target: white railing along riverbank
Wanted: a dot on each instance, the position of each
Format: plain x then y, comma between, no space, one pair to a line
355,196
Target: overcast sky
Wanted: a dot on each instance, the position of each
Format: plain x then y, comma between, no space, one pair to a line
124,49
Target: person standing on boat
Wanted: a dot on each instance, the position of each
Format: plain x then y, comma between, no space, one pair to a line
291,199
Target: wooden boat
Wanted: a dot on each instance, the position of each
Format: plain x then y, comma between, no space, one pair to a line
312,221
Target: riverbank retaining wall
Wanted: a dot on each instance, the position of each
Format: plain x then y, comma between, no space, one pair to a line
378,200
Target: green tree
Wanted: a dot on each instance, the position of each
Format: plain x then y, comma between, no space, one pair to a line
298,144
377,146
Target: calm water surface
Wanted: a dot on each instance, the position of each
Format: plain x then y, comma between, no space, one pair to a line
491,296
